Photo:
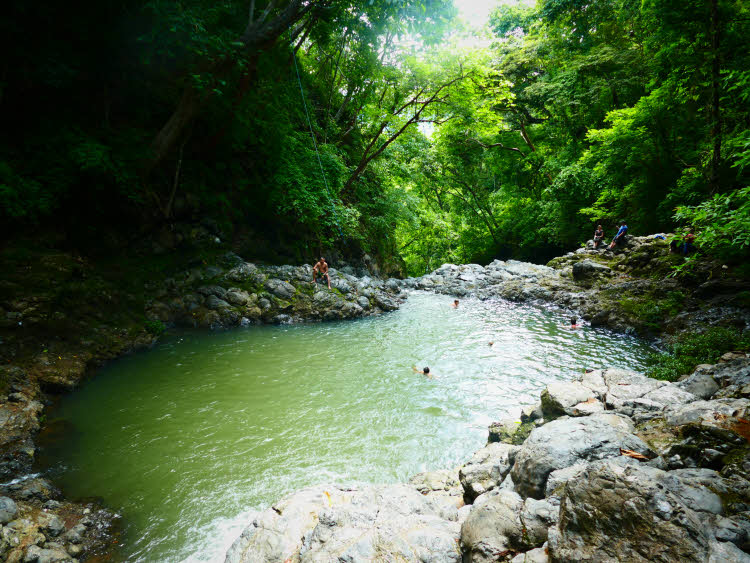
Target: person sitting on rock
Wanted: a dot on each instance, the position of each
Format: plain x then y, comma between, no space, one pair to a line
688,243
424,371
322,268
620,237
455,304
598,236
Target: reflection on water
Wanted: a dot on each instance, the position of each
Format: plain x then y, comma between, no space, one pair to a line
185,439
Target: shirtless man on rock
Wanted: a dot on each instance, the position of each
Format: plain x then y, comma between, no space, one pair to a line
322,268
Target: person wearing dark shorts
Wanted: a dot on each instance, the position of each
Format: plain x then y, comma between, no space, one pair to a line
322,268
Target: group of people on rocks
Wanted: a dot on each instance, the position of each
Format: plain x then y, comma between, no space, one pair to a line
686,247
620,238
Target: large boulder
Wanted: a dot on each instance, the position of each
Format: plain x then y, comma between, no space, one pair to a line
279,288
620,510
486,469
588,269
487,533
569,398
372,523
501,523
569,441
8,510
713,413
629,392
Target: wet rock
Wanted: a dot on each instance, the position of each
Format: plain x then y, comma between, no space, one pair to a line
75,534
587,269
699,383
279,288
237,297
488,533
215,290
386,302
36,489
242,272
393,522
511,431
8,510
486,469
214,303
51,524
36,554
569,441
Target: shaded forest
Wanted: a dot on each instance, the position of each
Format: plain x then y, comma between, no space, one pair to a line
375,126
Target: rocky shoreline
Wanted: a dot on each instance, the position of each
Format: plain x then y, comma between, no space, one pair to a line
615,467
37,523
629,290
604,288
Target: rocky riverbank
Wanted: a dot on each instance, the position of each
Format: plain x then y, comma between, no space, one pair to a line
62,316
613,466
631,289
239,293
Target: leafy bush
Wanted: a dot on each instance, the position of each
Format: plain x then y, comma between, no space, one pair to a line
154,327
722,223
694,348
652,311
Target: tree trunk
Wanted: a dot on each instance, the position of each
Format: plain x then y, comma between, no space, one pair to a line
170,134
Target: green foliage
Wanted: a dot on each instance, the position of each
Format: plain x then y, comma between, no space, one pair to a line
695,348
723,223
652,310
154,327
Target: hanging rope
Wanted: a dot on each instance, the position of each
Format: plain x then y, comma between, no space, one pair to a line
315,143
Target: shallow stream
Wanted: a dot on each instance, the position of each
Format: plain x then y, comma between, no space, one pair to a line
186,439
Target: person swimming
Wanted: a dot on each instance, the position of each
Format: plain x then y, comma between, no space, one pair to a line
573,323
424,371
455,304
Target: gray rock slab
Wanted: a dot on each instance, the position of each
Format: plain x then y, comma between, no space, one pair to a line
619,510
711,412
8,510
486,469
332,523
570,441
560,398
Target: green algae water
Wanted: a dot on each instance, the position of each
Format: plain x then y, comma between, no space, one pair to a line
185,440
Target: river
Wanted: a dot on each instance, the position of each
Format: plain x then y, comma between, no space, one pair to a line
186,439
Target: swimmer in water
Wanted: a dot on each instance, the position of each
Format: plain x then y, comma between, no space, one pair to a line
573,323
424,371
455,304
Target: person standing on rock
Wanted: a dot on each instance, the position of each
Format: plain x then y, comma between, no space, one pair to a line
620,237
322,268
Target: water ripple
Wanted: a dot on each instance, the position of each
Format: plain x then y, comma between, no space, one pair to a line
183,440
